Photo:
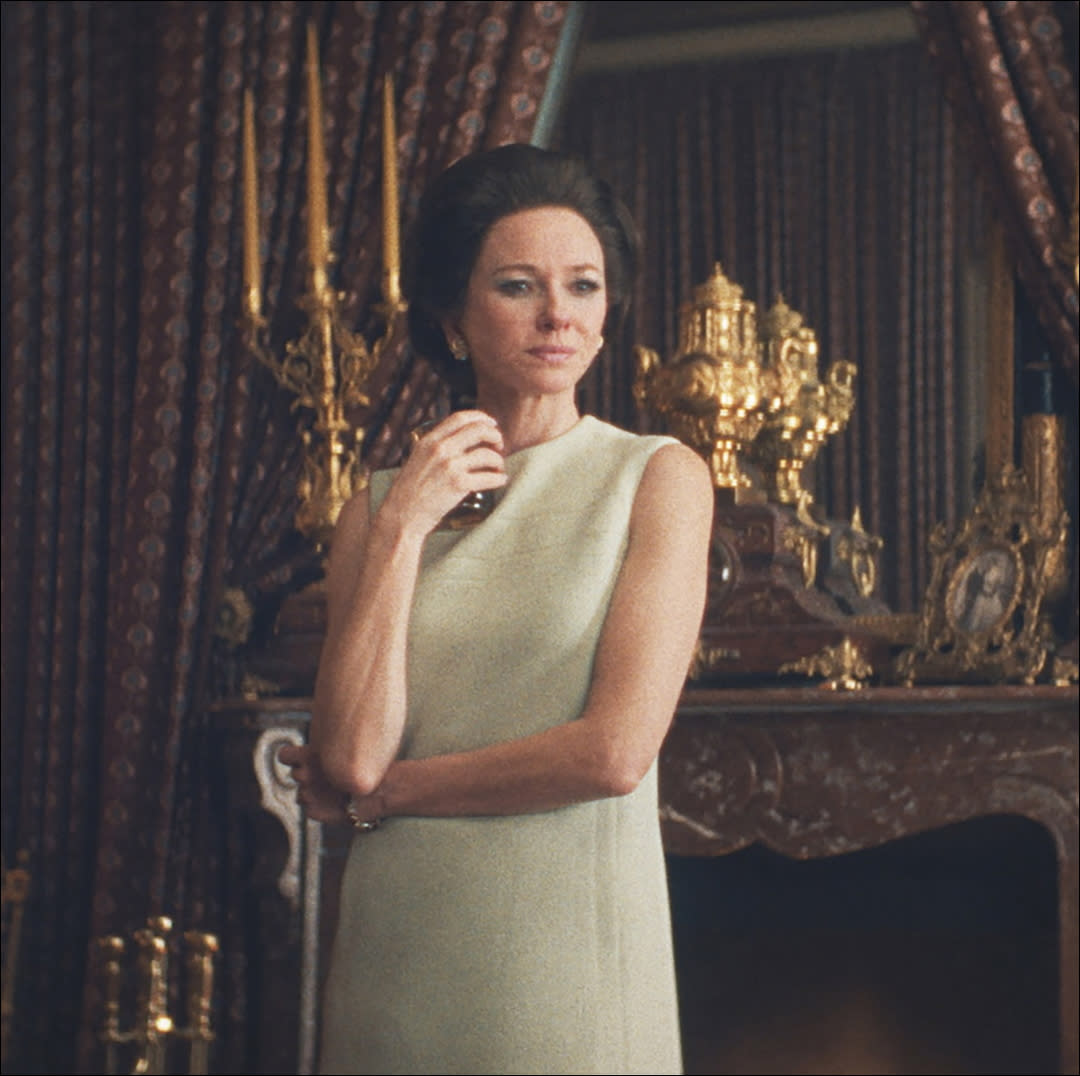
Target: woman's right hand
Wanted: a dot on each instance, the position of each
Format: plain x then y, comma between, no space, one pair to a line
462,454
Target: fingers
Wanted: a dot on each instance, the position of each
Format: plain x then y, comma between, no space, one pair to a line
297,758
465,468
472,436
321,813
483,473
317,800
293,754
460,455
459,420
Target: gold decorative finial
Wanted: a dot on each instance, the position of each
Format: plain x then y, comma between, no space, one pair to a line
714,393
811,410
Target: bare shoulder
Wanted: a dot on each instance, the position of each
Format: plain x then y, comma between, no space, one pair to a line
675,488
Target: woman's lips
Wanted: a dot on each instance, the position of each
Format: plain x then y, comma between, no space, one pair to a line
551,353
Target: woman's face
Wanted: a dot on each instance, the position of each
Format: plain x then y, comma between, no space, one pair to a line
535,306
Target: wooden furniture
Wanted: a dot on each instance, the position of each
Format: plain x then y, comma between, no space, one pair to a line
806,771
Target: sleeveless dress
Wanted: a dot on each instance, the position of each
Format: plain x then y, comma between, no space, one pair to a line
535,943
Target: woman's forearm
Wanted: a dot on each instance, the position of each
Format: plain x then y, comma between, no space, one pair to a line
561,766
360,690
603,753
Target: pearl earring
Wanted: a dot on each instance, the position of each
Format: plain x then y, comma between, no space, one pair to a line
458,348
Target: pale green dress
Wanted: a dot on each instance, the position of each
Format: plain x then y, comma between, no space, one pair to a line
534,943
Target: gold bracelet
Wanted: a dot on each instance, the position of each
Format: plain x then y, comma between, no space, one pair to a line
362,825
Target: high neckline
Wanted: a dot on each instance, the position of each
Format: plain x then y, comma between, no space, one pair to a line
583,422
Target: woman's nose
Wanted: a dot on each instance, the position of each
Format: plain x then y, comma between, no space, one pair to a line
553,314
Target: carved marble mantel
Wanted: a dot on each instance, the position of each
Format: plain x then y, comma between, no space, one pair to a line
811,773
808,772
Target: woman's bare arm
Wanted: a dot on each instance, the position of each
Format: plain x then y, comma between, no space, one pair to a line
360,688
644,652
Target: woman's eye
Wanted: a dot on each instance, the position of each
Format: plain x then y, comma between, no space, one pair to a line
585,286
513,287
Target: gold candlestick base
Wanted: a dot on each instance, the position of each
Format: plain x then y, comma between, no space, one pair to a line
152,1029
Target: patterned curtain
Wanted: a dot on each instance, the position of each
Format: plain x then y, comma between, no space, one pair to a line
834,181
1006,69
147,460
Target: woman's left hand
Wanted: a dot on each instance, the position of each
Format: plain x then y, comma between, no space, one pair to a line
319,799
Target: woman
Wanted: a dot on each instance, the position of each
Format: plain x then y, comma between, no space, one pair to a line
491,701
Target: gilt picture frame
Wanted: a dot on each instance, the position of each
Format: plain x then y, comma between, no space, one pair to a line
983,617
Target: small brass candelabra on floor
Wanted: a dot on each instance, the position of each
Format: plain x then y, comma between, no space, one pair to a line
153,1030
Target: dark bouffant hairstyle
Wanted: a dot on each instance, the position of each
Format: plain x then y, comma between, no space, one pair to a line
459,209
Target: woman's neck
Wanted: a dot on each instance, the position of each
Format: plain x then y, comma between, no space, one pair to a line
528,422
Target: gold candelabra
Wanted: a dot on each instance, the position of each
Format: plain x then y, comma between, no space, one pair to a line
327,368
153,1029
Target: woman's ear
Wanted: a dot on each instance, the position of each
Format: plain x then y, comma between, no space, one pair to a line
454,340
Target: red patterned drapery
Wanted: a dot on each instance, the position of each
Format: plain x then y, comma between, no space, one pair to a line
147,461
1010,71
834,180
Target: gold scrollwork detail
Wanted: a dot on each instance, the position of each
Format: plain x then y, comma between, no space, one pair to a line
858,551
711,659
715,393
842,666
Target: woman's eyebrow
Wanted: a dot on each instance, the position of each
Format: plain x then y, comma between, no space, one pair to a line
527,267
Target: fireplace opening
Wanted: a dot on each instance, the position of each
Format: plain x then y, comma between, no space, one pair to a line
936,953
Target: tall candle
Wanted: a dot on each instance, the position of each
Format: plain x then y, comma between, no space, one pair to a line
391,244
252,269
316,170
